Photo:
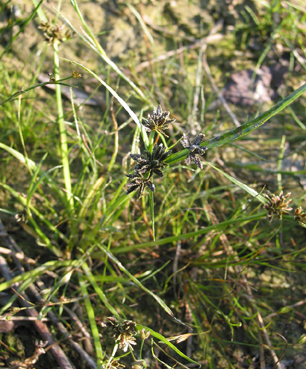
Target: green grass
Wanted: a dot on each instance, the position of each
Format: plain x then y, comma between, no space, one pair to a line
197,264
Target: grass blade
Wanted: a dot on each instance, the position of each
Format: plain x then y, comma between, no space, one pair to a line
35,273
240,184
168,343
99,50
21,29
135,280
142,23
185,236
98,290
120,100
62,129
28,162
92,322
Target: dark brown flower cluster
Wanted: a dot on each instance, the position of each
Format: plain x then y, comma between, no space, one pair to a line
147,165
157,121
122,331
277,205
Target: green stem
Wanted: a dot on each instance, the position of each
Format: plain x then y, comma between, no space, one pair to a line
280,162
151,141
151,200
63,134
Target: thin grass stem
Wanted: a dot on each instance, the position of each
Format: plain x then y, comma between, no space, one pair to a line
62,128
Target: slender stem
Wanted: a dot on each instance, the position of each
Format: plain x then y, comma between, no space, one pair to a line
151,141
63,134
116,143
280,162
151,200
113,355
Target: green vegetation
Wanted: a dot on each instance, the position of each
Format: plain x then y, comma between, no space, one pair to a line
153,227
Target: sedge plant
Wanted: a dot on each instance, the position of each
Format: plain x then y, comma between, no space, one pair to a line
114,226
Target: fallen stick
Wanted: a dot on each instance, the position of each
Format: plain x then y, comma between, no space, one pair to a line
41,327
196,45
219,93
56,351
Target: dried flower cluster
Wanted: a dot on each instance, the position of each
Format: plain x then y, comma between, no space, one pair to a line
151,163
194,149
147,165
157,121
122,331
277,205
54,33
39,350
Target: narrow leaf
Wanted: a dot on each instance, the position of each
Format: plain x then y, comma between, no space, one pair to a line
240,184
98,290
120,100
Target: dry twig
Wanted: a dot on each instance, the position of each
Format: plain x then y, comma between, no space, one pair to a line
219,93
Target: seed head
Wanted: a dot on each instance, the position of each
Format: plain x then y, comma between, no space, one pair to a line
138,183
144,335
194,149
157,121
76,74
277,205
122,331
151,162
55,34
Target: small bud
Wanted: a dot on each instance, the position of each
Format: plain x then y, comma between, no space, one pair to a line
76,74
144,335
15,310
137,366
